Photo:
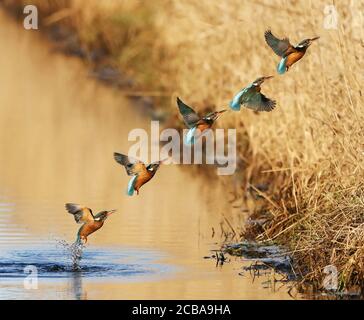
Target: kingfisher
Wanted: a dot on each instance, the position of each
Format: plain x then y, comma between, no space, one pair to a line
284,49
194,122
140,173
90,222
252,98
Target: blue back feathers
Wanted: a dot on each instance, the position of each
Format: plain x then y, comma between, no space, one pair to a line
131,185
281,68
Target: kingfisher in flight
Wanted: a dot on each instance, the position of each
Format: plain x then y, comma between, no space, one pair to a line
194,122
252,98
90,222
286,51
140,173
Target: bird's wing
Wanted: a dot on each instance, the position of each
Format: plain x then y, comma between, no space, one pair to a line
280,47
133,166
81,213
259,102
190,117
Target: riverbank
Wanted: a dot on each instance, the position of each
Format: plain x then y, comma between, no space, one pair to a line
307,155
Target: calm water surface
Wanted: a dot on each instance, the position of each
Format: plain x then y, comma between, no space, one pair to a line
59,129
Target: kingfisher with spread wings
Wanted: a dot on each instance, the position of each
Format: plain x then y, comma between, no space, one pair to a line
90,222
194,122
252,98
140,173
290,54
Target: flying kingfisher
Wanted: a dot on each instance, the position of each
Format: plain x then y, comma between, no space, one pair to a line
140,173
194,122
251,97
90,222
284,49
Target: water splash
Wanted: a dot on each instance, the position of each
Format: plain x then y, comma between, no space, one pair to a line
74,251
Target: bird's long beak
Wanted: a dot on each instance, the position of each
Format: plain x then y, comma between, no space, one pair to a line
162,161
268,77
313,39
111,212
219,113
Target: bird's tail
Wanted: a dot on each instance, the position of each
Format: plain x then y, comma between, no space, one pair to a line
131,184
281,68
76,252
78,240
190,136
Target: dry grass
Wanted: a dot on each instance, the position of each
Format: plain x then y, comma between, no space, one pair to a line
310,149
122,32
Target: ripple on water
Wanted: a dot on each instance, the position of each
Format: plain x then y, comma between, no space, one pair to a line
64,260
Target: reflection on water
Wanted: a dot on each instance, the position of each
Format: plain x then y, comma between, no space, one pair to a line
59,129
76,286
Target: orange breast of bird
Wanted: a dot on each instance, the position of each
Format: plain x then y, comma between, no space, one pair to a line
294,57
203,126
91,227
143,178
